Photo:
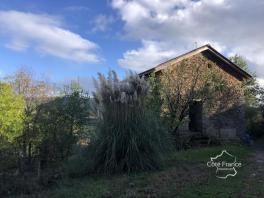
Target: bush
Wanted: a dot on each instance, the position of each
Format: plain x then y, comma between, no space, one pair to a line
13,185
256,129
129,136
80,163
60,122
8,156
255,122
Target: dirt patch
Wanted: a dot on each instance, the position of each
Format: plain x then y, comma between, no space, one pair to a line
258,157
167,183
254,180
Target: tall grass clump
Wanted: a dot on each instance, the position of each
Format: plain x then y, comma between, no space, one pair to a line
129,136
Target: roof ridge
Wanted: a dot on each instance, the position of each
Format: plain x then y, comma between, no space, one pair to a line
175,58
198,50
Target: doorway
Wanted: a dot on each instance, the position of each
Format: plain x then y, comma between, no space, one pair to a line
195,116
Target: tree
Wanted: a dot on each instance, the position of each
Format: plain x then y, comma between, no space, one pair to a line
251,87
240,61
11,113
74,86
254,97
34,93
59,123
11,126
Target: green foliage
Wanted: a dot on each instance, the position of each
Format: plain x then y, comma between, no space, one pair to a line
129,137
251,87
255,122
74,86
253,93
80,163
11,185
239,61
38,131
8,156
256,129
59,123
154,100
11,113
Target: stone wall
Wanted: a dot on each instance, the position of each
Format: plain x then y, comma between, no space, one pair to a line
224,117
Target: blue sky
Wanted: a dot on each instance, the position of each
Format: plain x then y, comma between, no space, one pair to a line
66,39
78,17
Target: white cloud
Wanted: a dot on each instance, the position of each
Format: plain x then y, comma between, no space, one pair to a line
230,26
145,57
102,23
17,45
45,34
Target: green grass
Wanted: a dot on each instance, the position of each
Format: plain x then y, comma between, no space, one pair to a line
215,187
184,175
80,188
204,154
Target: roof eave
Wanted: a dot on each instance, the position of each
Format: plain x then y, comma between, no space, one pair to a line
229,62
243,73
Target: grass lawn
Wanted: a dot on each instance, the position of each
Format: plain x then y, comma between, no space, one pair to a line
185,174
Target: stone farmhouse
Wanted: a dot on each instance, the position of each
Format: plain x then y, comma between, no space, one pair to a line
226,118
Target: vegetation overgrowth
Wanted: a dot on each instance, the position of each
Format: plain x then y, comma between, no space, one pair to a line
128,126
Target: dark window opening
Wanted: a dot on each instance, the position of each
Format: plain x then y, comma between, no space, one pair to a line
195,115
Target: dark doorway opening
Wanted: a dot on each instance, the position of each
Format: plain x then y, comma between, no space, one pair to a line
195,115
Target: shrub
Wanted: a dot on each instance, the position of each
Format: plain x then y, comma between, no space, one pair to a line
256,129
129,136
8,156
14,185
255,122
60,122
80,163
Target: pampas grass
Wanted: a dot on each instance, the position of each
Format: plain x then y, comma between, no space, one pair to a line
129,137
